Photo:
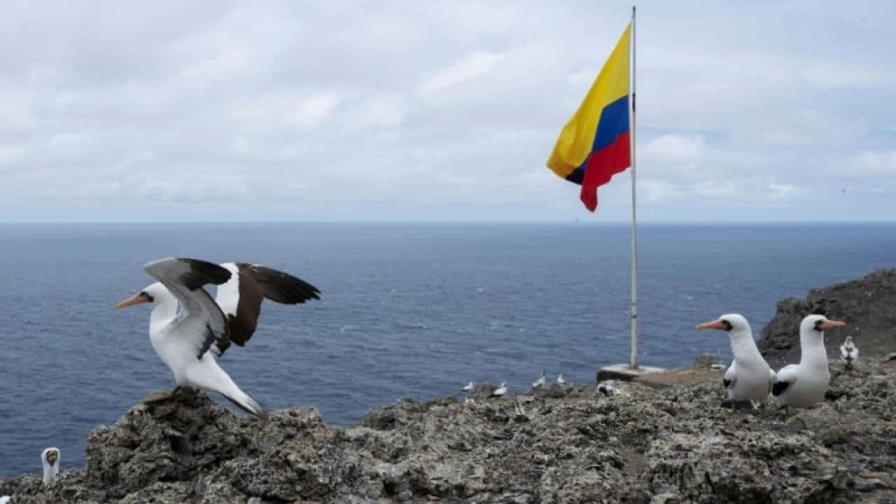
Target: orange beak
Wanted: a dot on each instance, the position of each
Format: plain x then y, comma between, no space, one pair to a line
715,324
832,324
131,301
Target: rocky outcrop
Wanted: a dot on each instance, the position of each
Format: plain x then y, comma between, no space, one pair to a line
868,305
577,444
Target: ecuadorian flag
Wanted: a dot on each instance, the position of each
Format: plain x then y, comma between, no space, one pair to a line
594,145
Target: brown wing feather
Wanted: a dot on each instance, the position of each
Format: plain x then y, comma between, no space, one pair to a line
242,326
257,283
278,286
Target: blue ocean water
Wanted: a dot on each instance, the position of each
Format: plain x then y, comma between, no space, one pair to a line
408,310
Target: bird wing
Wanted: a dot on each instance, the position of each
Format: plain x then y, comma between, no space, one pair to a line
241,297
199,318
784,378
730,376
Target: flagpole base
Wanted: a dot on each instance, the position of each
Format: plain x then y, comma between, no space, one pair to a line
625,372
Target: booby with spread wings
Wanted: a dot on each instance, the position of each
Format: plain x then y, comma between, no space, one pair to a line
189,330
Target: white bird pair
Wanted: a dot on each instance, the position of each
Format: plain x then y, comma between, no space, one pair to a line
749,378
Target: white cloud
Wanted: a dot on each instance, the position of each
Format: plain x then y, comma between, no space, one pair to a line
874,163
470,67
686,151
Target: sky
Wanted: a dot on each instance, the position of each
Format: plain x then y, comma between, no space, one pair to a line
407,110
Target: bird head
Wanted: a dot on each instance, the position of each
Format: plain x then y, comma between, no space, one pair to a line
148,295
817,324
730,322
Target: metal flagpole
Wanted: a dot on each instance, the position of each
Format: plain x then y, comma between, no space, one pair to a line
633,358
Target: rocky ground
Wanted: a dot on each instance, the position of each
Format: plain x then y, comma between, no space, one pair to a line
564,445
868,305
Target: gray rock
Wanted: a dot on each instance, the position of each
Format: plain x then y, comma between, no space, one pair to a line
666,445
866,305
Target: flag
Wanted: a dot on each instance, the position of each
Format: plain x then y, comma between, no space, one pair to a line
594,145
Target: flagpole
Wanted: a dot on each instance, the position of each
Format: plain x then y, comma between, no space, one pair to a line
633,358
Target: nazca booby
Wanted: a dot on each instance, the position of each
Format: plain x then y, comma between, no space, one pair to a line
500,391
849,353
560,380
540,381
188,329
468,387
805,384
749,377
49,459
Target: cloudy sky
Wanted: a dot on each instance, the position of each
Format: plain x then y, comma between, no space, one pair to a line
233,111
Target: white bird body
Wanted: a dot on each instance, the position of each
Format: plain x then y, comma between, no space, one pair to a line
500,391
560,379
804,384
749,377
49,459
849,353
540,382
5,499
468,387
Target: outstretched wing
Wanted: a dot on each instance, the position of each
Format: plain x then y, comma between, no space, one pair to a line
199,319
241,297
786,377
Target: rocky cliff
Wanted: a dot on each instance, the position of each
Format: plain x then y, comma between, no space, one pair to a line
868,305
564,445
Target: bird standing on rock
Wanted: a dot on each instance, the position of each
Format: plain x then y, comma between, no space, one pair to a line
749,377
539,383
468,387
188,329
804,384
560,380
500,391
848,352
49,459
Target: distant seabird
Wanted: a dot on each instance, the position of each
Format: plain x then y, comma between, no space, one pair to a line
748,378
188,329
49,459
5,499
805,384
540,381
560,379
468,387
500,391
848,352
607,388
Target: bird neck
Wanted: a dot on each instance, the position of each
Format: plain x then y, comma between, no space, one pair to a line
743,347
163,312
812,348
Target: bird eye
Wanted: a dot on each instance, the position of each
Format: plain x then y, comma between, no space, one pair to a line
727,325
147,296
818,324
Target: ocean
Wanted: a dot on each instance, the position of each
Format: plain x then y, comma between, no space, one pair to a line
407,310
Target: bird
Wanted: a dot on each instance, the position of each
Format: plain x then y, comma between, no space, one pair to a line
560,380
749,377
49,459
849,353
500,391
607,388
189,330
5,499
540,381
804,384
468,387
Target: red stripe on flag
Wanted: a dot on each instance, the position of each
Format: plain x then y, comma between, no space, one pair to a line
602,165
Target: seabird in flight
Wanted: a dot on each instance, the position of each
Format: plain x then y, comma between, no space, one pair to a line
188,329
805,384
749,377
49,459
